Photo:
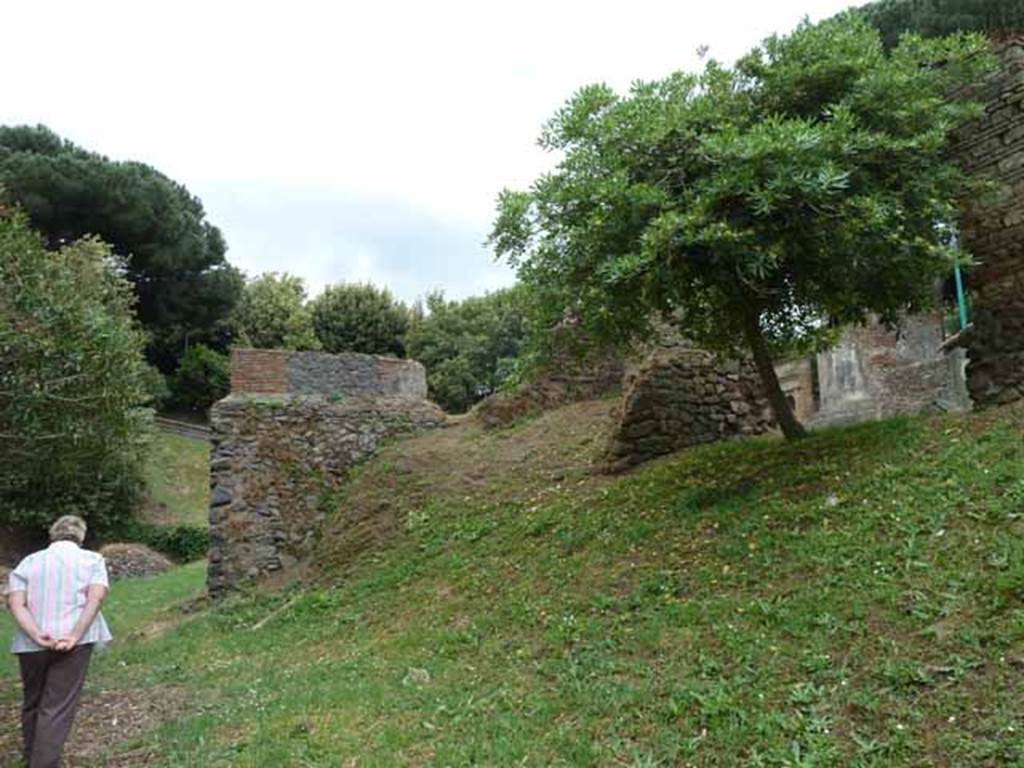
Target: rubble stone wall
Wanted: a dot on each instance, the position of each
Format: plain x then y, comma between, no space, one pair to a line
283,441
682,396
993,232
280,372
273,466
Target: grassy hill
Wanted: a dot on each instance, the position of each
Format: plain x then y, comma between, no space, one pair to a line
177,472
853,599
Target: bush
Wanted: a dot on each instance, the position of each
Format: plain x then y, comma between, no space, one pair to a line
158,392
933,18
203,377
272,314
73,382
360,318
181,543
468,347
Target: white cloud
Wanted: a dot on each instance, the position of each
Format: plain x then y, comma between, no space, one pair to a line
422,111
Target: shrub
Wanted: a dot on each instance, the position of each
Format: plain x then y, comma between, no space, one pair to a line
203,377
158,392
468,347
181,543
72,382
360,318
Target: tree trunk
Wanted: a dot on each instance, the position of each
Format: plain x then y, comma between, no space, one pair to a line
791,428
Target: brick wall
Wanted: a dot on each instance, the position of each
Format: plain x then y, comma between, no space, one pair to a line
878,372
993,231
282,372
259,371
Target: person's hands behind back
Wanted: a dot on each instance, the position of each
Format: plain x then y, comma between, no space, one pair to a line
44,640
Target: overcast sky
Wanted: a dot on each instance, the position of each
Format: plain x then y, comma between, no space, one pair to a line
345,141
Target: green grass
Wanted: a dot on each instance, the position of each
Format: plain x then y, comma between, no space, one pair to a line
853,599
133,605
177,474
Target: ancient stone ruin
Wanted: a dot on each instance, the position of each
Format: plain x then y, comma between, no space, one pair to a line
993,232
875,372
294,424
680,396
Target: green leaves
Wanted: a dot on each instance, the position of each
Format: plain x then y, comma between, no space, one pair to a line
468,347
272,314
202,378
893,18
73,382
351,317
173,256
810,181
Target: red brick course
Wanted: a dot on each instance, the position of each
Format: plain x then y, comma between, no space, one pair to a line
259,371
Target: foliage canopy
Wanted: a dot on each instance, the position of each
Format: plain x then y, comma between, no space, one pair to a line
272,314
469,347
72,382
752,205
931,18
203,377
355,317
173,256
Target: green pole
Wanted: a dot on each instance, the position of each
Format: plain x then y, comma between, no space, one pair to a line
961,300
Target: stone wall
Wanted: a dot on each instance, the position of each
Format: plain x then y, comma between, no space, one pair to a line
876,372
555,385
294,425
279,372
681,396
993,232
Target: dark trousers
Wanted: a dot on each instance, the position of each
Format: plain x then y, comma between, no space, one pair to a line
52,681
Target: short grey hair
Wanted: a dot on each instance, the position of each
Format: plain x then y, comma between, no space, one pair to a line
68,528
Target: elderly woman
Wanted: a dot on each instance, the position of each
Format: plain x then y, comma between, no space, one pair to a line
55,597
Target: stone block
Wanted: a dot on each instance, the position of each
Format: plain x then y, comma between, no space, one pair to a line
220,496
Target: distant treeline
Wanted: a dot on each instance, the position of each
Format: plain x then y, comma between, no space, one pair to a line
933,18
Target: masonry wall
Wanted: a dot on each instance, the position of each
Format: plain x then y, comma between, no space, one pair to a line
876,372
681,396
993,231
274,466
279,372
283,442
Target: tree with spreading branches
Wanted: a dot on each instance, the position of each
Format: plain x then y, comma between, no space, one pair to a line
173,256
758,206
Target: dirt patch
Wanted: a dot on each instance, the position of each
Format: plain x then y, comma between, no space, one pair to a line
110,728
132,560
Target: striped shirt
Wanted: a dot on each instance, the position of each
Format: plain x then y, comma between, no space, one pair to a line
56,580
